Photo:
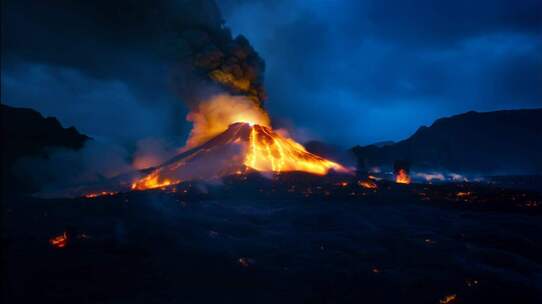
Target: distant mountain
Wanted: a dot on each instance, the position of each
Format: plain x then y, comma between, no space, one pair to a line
330,151
26,133
497,142
383,143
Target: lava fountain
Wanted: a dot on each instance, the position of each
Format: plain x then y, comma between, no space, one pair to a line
402,177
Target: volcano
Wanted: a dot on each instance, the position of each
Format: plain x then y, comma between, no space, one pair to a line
241,148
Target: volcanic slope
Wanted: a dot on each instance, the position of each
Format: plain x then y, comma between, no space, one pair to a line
240,148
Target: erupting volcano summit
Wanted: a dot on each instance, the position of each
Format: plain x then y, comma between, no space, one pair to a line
241,148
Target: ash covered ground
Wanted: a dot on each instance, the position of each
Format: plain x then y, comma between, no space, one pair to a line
256,240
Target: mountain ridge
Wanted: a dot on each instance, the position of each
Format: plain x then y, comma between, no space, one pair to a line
490,142
27,133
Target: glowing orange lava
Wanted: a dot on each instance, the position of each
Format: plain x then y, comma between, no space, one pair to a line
402,177
153,181
269,151
231,135
258,148
367,184
59,241
448,299
97,194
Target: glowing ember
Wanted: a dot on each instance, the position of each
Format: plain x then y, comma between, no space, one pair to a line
97,194
269,151
463,194
59,241
367,184
402,177
153,181
448,299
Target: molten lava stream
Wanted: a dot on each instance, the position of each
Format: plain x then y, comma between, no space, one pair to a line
271,152
254,147
153,181
98,194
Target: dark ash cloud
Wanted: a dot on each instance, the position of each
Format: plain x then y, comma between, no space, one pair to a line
131,58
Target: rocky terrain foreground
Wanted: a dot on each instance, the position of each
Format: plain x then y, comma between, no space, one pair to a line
255,241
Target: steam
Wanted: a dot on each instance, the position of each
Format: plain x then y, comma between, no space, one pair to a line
437,176
152,152
214,116
65,169
219,77
63,172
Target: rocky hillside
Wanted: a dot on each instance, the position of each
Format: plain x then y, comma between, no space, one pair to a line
26,133
497,142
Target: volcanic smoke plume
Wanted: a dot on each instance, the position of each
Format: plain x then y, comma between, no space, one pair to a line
213,61
233,135
222,85
214,116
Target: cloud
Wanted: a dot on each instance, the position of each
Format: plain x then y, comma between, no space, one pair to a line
342,68
96,107
336,68
105,67
426,23
103,58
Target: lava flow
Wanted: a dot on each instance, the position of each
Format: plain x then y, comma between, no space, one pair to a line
241,148
233,135
152,181
269,151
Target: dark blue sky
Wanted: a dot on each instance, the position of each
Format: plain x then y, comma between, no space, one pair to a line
346,72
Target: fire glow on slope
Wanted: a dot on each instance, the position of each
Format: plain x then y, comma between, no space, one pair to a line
270,152
153,180
232,134
241,148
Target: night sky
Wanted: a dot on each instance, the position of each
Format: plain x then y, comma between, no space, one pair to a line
345,72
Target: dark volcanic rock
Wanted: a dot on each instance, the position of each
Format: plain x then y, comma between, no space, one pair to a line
26,133
278,244
329,151
491,142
